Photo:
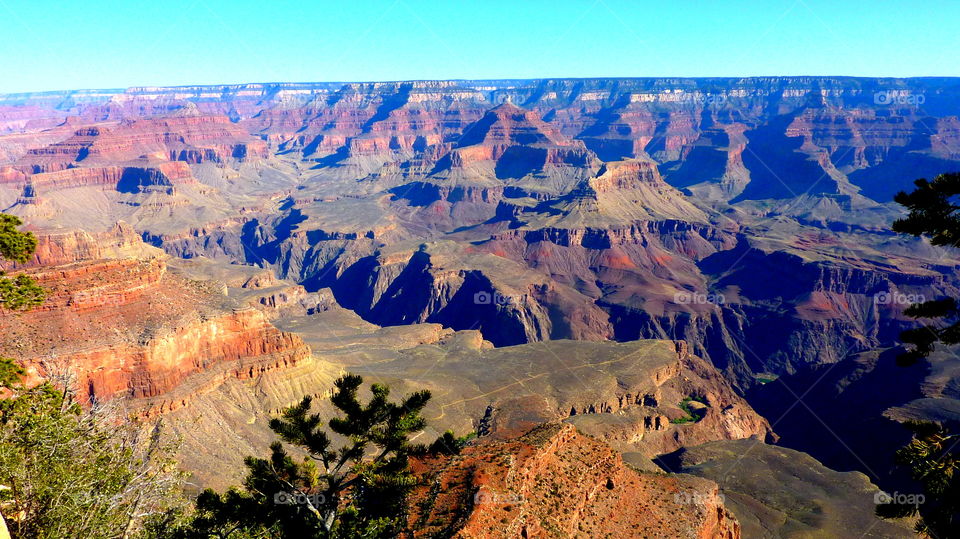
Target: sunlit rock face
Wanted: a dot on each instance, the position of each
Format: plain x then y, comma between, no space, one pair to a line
554,481
117,324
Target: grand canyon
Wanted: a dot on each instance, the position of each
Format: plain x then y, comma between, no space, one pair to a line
673,303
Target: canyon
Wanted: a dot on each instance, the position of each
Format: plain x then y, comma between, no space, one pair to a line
599,255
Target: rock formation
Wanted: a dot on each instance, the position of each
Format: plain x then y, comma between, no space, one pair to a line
127,327
555,482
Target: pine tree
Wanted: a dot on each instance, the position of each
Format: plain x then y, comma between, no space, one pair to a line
933,214
933,458
356,490
931,455
22,291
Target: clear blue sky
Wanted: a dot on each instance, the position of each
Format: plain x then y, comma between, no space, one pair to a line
53,45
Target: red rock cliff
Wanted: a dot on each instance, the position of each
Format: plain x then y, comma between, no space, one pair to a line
128,327
58,248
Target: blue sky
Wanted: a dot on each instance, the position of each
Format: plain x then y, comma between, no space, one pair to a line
53,45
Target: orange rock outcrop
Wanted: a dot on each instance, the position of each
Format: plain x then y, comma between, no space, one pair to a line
556,482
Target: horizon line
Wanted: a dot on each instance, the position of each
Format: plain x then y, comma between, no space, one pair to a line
125,89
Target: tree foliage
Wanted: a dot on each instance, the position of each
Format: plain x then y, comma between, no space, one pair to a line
933,458
352,482
932,454
21,291
14,244
932,214
69,472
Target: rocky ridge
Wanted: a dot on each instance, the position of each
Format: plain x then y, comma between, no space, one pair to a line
555,482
